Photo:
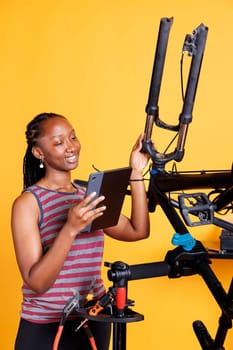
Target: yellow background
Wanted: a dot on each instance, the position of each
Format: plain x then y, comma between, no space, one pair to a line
92,61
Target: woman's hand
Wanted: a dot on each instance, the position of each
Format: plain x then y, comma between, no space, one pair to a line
82,214
137,226
138,159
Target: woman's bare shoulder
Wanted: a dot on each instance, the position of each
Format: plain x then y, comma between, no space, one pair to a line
25,200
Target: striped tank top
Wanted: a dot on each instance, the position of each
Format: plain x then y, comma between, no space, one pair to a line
81,271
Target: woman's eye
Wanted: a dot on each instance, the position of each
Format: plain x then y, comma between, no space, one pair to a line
58,143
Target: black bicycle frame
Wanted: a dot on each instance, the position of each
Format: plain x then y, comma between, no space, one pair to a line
190,256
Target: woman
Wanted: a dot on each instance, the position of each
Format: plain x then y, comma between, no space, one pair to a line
54,258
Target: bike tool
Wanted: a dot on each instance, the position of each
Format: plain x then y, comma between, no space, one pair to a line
72,304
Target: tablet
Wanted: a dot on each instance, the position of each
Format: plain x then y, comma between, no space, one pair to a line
112,184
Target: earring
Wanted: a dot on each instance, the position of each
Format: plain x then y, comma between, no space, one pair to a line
41,164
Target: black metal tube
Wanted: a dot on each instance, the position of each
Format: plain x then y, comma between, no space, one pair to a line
174,182
225,198
164,29
119,336
225,323
200,40
216,288
149,270
173,217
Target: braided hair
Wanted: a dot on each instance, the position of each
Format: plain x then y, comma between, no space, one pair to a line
32,172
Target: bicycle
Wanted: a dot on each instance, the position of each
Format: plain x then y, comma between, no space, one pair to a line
190,256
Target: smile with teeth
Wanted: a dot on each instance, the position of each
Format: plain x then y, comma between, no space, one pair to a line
72,158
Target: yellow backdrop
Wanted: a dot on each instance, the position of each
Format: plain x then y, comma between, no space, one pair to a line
92,61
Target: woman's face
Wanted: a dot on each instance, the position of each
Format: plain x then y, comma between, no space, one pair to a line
58,146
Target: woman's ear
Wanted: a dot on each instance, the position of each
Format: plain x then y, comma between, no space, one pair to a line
36,151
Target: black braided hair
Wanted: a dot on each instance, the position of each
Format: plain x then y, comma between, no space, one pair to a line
31,165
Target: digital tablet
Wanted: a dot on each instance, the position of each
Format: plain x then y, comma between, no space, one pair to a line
112,184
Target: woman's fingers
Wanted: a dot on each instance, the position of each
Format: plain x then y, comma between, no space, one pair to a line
87,211
90,199
91,212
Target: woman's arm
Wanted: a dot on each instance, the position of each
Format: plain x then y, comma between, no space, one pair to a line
137,226
38,270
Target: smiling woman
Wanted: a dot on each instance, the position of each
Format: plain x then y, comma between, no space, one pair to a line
54,257
50,143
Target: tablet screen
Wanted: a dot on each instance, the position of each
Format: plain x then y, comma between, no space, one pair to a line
112,184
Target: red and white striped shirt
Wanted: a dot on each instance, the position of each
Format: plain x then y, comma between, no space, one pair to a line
82,268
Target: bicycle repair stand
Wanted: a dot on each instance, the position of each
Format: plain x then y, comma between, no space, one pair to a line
114,307
188,258
178,263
